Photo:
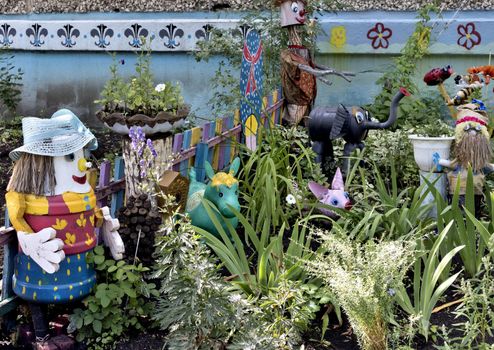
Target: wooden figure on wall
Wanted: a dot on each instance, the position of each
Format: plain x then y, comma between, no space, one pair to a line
251,86
298,70
53,209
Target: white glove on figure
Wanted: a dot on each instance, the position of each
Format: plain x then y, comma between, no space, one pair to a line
111,237
43,247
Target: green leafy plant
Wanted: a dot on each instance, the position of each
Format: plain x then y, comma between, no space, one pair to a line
120,302
139,94
195,305
476,309
200,310
272,276
467,230
382,211
10,81
281,165
363,281
427,288
274,261
405,65
434,129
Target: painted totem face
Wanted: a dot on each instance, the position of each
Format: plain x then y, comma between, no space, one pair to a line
292,13
70,173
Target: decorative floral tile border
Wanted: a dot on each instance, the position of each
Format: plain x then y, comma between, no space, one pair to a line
112,35
467,33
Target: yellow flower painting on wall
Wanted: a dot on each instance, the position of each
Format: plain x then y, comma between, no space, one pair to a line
338,36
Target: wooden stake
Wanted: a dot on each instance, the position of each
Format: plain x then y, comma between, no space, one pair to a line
444,94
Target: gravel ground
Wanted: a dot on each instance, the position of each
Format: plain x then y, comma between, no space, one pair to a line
48,6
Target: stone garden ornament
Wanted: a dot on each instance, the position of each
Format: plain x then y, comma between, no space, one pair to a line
298,70
336,196
53,209
327,124
222,191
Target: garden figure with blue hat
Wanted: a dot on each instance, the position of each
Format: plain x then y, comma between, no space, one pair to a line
53,209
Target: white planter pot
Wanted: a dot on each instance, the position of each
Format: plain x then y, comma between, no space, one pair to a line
425,147
123,129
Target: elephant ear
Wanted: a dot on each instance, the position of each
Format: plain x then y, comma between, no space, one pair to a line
340,119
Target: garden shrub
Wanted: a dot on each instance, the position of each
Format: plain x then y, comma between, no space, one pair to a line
476,309
197,308
363,281
10,82
120,303
281,165
405,65
272,277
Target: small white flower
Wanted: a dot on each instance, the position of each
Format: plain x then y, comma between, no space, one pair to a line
160,87
290,199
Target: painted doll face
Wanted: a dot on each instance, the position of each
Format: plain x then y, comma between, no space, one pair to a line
70,173
292,13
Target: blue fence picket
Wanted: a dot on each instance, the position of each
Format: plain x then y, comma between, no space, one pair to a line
118,197
201,156
184,165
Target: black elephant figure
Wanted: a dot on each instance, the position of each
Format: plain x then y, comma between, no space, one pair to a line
327,124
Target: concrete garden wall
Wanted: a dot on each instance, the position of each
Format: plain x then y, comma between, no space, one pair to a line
65,57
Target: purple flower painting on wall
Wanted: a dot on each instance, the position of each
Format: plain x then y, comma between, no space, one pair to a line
469,36
379,36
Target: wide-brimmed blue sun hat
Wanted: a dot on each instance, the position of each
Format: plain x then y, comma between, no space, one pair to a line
60,135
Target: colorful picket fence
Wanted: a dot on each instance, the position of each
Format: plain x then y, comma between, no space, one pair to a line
217,141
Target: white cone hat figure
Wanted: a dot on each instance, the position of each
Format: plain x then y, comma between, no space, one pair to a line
53,209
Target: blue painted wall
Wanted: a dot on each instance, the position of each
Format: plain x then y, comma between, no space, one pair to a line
57,76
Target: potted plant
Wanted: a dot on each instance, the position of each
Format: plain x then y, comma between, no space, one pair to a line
428,139
138,102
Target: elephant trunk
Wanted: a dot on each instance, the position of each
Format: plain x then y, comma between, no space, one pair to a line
393,113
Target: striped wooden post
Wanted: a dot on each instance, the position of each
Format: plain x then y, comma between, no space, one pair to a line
212,131
177,147
227,125
270,117
104,180
236,139
118,197
196,137
184,164
265,105
217,148
279,111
